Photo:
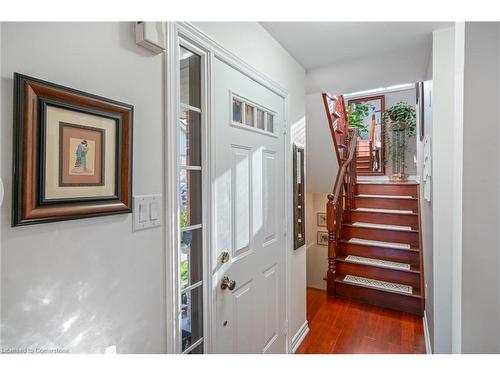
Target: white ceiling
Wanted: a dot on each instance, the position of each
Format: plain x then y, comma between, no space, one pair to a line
321,44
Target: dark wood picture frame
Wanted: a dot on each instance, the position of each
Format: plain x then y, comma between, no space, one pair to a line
32,96
319,240
299,204
382,126
419,88
321,216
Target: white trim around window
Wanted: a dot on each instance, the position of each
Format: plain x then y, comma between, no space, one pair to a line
190,34
243,125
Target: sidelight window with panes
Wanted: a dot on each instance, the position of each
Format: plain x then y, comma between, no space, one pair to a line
190,202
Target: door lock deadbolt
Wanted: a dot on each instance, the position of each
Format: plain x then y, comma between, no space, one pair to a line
224,256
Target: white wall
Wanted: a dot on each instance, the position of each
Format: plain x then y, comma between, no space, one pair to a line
85,284
381,70
426,214
317,255
481,187
442,200
252,43
322,165
96,275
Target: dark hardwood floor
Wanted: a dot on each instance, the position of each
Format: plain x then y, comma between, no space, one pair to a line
339,326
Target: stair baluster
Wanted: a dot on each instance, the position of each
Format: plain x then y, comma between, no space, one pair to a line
341,201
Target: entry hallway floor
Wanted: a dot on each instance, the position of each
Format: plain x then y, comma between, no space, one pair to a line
338,326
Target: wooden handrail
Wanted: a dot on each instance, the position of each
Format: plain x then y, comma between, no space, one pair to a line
341,200
337,122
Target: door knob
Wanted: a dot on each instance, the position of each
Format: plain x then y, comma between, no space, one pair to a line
227,283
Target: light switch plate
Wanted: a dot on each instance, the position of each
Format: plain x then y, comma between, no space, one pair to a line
147,211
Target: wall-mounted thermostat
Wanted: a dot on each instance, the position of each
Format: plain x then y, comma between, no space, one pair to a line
151,35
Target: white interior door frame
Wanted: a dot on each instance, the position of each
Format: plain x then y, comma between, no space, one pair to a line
195,38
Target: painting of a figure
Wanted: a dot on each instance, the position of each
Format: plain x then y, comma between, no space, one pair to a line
83,164
81,155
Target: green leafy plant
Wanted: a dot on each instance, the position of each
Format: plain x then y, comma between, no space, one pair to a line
356,114
184,219
184,273
400,125
401,116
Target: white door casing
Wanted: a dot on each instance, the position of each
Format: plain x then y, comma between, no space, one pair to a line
249,217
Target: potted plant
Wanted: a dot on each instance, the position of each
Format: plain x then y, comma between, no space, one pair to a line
356,113
400,125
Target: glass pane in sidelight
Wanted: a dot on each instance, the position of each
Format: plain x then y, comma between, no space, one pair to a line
191,257
191,316
270,123
197,350
190,78
190,198
260,119
190,137
249,115
237,111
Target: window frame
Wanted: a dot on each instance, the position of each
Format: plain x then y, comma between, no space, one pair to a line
205,176
233,96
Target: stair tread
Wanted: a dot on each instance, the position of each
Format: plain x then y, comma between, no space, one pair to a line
360,224
376,262
377,244
385,196
380,227
385,211
385,182
384,286
392,245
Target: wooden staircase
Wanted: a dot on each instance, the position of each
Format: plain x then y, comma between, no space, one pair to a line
374,243
378,257
363,157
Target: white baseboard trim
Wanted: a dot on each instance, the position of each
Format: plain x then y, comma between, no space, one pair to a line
300,336
427,336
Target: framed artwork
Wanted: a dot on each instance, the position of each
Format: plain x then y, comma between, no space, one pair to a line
419,87
299,231
322,238
321,222
72,153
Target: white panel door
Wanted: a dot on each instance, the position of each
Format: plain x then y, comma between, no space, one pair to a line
249,219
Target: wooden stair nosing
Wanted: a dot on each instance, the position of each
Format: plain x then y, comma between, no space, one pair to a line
409,237
387,182
409,303
381,196
411,232
413,269
409,256
373,217
378,273
415,291
387,189
386,203
345,241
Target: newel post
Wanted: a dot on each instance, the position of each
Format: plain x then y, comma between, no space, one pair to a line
332,242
